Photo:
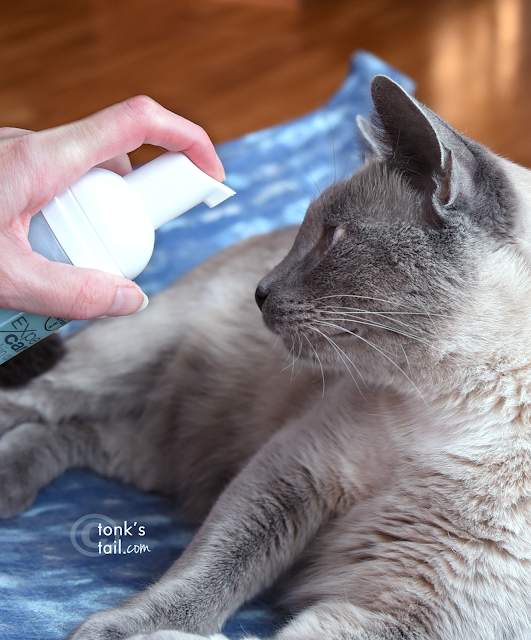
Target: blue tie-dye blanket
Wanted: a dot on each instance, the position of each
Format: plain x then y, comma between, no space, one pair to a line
53,573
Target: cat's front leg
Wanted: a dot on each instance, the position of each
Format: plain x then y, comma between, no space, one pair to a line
33,454
257,528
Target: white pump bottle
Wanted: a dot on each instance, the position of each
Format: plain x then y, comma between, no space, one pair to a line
107,222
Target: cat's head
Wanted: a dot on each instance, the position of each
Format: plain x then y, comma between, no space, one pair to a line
420,260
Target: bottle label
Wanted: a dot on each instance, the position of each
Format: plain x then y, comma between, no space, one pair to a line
18,331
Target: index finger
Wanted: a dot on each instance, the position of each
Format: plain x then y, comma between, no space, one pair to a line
56,158
12,132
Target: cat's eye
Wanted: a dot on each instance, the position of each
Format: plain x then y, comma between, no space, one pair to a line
332,234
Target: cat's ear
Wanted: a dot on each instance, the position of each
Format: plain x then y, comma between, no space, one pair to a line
419,144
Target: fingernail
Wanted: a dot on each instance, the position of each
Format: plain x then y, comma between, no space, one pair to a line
126,302
144,303
221,170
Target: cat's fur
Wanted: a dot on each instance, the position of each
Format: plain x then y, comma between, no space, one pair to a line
383,467
31,363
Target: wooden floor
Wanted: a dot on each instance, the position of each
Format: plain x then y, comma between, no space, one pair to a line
233,67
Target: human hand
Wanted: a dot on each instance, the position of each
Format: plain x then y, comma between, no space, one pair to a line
37,166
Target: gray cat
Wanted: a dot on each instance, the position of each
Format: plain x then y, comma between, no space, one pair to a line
376,457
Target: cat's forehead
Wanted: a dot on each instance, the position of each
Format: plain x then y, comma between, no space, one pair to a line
373,194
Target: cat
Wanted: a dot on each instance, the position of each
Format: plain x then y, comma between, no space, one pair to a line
367,447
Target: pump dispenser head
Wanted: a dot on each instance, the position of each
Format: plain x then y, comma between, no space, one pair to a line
171,184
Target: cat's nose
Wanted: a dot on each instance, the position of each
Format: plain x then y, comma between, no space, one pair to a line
260,295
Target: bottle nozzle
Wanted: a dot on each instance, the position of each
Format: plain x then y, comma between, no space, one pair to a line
172,184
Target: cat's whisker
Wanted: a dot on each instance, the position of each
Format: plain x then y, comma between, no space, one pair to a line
407,359
273,347
369,323
319,190
318,360
355,318
341,353
343,330
359,297
406,328
371,344
397,313
290,354
432,322
368,342
295,357
409,333
387,302
392,329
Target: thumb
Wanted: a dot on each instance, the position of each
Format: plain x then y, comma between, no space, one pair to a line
36,285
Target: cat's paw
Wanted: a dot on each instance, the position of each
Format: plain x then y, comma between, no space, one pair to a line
128,623
14,498
115,624
17,490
